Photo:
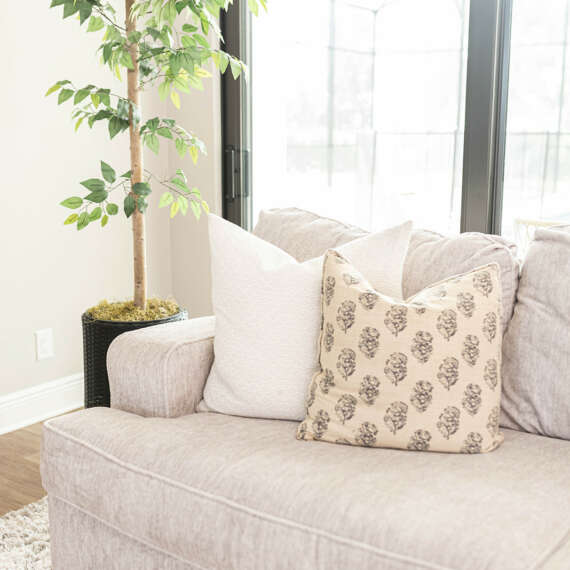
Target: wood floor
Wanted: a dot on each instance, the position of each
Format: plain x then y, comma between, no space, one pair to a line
20,481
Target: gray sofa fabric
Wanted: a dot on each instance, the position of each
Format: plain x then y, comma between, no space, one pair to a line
431,256
211,491
536,349
160,371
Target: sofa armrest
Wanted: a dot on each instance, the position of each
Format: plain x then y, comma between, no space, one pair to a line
160,371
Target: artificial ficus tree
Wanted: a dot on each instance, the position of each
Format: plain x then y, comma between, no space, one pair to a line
163,44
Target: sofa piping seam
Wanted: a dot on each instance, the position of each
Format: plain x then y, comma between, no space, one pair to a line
250,510
127,534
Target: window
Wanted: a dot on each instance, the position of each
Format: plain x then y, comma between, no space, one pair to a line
364,122
537,156
375,111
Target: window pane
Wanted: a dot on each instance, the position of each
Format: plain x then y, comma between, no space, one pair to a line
358,109
537,156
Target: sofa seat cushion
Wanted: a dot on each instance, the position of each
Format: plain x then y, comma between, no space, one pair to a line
223,492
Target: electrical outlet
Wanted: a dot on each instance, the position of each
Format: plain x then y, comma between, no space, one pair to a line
44,344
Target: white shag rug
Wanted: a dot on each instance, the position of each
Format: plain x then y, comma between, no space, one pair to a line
24,538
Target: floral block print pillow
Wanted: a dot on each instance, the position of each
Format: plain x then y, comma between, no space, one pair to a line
421,375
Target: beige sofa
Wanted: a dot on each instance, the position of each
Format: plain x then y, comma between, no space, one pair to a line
150,484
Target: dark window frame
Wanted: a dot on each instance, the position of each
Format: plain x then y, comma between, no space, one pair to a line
485,117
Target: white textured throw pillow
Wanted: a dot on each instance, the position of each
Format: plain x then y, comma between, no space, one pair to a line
267,308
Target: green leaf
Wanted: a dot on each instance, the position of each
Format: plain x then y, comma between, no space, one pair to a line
98,196
142,189
125,60
164,132
183,204
95,99
180,173
115,126
151,141
70,219
126,174
83,221
95,24
235,67
188,28
224,61
174,207
80,95
95,214
104,95
64,95
142,205
112,209
93,184
163,89
78,123
165,200
180,147
205,206
180,184
175,98
129,205
104,220
253,6
70,8
72,203
193,151
195,209
108,173
53,89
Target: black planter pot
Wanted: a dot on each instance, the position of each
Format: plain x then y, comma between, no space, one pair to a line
97,337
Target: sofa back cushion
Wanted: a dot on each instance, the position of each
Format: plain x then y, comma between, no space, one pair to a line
431,256
536,349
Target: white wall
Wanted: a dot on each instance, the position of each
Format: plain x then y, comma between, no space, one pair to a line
50,273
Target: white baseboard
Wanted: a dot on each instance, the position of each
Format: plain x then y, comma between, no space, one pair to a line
32,405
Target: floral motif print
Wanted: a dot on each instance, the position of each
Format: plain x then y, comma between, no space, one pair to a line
302,431
320,424
345,407
368,299
448,373
346,363
396,368
366,434
472,443
369,389
350,279
470,350
311,397
466,304
422,395
490,326
420,440
327,380
345,317
396,416
328,339
483,283
422,346
447,323
369,341
330,282
396,319
472,399
493,422
448,423
491,375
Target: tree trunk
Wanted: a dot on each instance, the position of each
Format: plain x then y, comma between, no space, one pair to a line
139,251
